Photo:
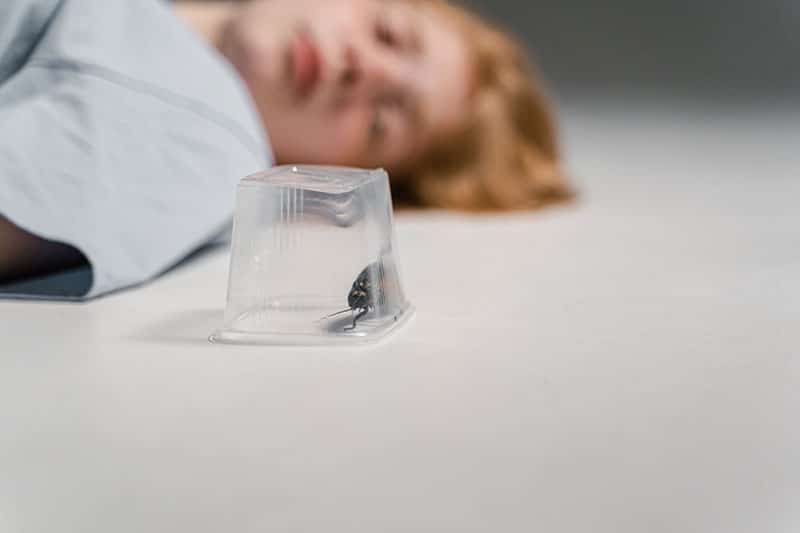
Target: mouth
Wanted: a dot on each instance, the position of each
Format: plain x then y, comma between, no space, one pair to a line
305,64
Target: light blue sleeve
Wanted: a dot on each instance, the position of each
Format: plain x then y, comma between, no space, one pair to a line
121,134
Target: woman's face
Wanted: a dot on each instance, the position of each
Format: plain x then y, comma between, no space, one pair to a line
351,82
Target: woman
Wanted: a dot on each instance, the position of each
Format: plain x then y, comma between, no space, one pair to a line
446,103
344,82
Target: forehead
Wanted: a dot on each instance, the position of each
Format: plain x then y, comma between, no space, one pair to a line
443,79
449,71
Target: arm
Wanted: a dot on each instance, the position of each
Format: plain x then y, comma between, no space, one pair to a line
23,254
22,22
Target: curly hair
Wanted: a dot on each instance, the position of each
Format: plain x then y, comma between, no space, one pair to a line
506,155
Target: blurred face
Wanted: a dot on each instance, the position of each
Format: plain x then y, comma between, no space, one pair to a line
350,82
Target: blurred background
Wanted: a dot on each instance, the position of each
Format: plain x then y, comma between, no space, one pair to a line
674,113
733,50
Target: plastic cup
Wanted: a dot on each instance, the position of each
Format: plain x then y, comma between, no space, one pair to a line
313,259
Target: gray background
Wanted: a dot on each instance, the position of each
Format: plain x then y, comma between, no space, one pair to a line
711,49
626,364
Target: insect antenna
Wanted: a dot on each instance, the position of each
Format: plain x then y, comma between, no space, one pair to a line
343,311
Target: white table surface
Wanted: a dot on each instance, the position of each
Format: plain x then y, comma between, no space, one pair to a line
629,364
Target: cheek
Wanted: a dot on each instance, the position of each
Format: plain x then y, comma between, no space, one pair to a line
250,53
337,138
316,137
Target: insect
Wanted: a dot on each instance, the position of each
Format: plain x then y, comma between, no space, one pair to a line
366,292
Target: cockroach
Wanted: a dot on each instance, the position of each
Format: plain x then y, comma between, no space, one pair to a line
366,292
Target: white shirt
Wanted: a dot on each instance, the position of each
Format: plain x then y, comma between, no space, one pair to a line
121,133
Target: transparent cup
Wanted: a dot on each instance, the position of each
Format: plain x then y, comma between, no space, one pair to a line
313,259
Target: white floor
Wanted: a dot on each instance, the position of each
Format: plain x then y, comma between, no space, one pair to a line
629,364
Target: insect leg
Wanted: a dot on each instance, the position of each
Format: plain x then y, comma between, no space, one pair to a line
343,311
363,312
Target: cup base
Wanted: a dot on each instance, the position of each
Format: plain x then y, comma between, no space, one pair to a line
334,333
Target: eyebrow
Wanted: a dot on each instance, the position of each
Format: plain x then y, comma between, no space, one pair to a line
413,117
412,109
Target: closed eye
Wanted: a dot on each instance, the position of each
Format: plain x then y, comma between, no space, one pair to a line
396,28
384,33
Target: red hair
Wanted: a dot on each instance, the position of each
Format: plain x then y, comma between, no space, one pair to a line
506,155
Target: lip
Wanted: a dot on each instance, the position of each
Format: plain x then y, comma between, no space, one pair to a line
305,63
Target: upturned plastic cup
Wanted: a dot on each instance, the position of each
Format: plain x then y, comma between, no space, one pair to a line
313,259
